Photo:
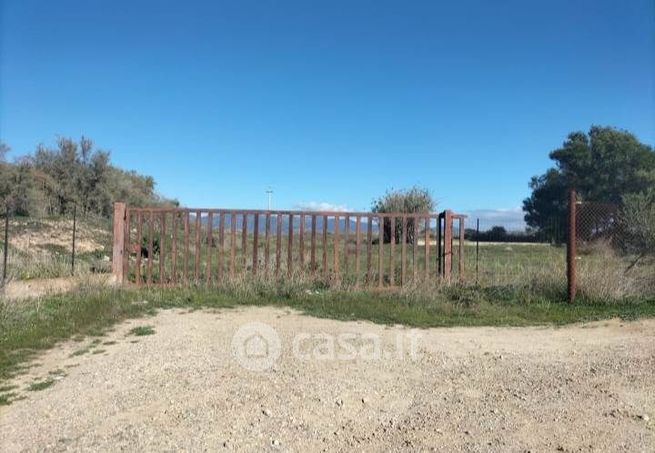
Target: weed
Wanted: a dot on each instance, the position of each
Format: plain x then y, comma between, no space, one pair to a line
7,398
141,331
40,385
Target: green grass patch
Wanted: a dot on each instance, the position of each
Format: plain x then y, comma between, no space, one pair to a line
141,331
32,326
40,385
7,398
80,352
99,351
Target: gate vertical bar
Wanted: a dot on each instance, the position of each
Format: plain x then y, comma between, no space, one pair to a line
439,246
139,248
427,248
358,243
126,246
174,246
392,252
460,267
221,246
381,252
335,264
267,243
151,232
210,245
290,247
278,245
187,245
196,268
325,243
255,243
74,234
346,235
448,245
233,241
312,255
415,247
403,250
369,249
301,242
162,245
244,242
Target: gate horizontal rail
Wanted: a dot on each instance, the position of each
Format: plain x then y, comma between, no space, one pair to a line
182,246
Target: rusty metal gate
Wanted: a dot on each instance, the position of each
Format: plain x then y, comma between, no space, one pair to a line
179,246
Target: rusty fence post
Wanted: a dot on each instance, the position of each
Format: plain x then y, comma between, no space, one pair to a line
571,248
118,248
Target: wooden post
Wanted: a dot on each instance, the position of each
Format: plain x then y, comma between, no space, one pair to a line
118,249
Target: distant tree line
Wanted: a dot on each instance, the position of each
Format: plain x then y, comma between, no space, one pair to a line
500,234
51,180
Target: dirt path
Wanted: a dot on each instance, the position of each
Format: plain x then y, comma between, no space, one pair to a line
580,388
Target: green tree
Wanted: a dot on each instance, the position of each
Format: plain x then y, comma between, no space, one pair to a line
412,200
638,223
605,164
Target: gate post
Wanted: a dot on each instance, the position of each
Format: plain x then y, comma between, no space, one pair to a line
571,248
118,248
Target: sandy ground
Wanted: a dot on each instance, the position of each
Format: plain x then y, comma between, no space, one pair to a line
580,388
58,233
17,290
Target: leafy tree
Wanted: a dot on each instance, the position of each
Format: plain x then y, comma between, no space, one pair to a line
53,179
413,200
6,172
605,164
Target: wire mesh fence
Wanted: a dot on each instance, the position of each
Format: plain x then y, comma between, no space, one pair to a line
48,247
607,259
504,254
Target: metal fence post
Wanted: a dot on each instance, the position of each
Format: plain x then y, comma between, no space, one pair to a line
6,246
119,242
477,250
74,232
570,248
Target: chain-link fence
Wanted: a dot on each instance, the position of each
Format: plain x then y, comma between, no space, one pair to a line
607,262
51,247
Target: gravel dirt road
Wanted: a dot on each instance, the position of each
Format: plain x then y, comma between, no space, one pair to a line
340,386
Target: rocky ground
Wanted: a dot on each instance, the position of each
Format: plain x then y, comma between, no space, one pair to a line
338,386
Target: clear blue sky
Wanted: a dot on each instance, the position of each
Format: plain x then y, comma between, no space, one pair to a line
331,101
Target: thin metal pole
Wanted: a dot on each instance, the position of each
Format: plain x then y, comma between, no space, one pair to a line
477,250
74,232
570,248
6,247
